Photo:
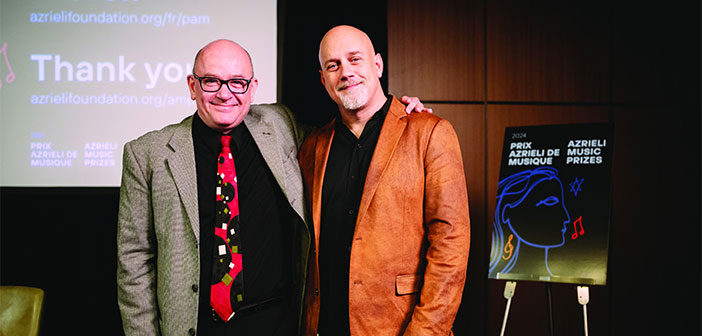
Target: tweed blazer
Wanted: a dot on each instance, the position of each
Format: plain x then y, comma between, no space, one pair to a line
410,245
158,228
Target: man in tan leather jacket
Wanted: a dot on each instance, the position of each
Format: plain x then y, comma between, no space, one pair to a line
388,203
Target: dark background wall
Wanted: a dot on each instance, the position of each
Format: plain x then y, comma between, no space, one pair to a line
483,65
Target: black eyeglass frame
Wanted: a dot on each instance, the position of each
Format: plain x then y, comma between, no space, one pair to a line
224,81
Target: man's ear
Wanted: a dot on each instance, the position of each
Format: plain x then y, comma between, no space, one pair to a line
252,87
191,86
321,77
378,60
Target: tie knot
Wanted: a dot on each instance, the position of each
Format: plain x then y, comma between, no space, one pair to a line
225,140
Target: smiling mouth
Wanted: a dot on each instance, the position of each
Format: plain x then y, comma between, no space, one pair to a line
347,86
225,105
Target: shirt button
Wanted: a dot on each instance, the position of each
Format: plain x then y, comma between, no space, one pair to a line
194,287
191,331
316,291
350,212
359,146
353,177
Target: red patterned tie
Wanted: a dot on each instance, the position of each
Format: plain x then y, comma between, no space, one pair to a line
227,276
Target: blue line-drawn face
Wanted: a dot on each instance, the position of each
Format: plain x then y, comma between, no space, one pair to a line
543,200
530,211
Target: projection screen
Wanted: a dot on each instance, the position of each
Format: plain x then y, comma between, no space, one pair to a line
79,78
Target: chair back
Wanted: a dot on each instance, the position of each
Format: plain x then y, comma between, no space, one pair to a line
20,310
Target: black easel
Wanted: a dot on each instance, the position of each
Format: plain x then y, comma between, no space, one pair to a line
583,299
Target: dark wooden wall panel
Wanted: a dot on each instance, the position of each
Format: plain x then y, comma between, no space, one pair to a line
547,50
528,314
435,49
656,53
469,121
550,62
655,266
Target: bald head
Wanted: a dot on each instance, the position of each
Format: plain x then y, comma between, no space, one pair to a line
345,36
223,46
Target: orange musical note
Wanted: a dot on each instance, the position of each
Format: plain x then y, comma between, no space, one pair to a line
508,247
575,229
11,76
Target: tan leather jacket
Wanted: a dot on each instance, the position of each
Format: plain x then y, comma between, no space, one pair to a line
412,235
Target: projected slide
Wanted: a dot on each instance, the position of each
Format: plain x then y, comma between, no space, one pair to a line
79,78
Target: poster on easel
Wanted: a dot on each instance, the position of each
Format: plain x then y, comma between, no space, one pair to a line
553,204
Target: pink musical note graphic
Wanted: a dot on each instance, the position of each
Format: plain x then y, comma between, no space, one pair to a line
582,231
11,76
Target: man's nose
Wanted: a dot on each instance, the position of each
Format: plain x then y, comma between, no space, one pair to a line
224,93
346,71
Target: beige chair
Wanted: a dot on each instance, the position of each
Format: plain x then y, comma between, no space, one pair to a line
20,310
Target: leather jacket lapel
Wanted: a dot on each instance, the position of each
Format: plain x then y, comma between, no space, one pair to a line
321,156
394,125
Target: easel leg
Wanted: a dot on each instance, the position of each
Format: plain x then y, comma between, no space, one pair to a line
583,299
509,293
549,309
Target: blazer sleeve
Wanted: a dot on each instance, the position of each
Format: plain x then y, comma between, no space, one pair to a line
448,233
136,250
300,130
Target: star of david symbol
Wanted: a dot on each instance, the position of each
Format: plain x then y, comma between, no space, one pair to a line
575,186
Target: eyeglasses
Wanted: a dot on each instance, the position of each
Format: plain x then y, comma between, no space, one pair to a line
213,84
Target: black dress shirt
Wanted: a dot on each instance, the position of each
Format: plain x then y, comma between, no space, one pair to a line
345,175
265,217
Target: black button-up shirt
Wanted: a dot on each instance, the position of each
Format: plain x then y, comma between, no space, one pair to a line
265,217
345,175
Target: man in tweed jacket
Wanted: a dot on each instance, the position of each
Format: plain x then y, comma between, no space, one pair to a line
159,276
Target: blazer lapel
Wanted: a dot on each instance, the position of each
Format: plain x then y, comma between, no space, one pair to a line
321,155
265,137
182,165
393,127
